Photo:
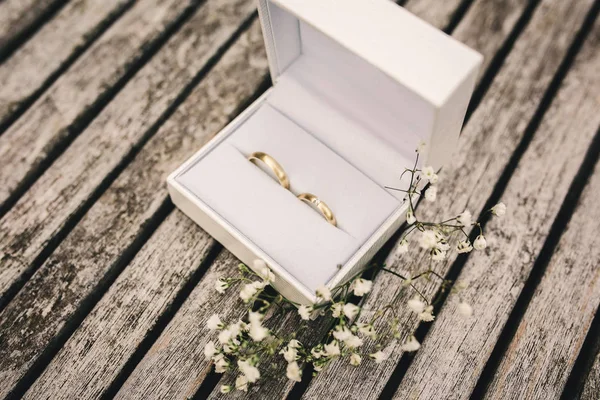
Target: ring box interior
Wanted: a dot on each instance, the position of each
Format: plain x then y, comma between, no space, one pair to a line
358,85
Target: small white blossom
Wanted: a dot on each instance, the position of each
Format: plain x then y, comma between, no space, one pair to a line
427,314
258,332
410,217
293,372
337,309
221,363
368,330
416,305
428,240
362,286
294,343
464,247
464,309
241,383
341,333
465,219
225,336
434,179
214,322
402,247
421,147
318,368
355,359
411,344
317,353
438,255
353,341
255,318
324,293
225,389
350,310
428,173
304,312
332,349
210,349
480,243
251,372
431,194
499,209
221,285
250,289
289,353
263,270
379,356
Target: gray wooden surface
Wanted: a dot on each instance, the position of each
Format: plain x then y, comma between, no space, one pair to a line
105,287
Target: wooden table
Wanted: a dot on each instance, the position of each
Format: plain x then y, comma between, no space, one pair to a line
105,288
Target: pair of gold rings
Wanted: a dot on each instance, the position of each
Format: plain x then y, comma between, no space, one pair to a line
282,177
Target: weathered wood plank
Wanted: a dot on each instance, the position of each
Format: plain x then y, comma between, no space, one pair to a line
63,189
591,387
439,15
39,312
135,196
175,361
456,350
32,65
17,17
56,115
485,148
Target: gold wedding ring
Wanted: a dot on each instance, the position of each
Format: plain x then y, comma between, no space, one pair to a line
273,165
311,199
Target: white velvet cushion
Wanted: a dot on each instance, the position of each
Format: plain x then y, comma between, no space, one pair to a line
291,232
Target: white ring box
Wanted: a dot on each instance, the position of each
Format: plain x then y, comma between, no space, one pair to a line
358,85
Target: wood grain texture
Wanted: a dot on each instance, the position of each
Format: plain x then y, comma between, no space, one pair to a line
74,176
456,349
438,14
120,215
55,292
53,117
18,16
591,388
95,354
175,366
551,334
485,148
39,58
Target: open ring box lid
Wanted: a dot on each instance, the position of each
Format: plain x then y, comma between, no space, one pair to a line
358,85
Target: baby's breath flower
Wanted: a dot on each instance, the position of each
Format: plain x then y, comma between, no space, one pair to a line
428,240
464,247
416,305
402,247
427,314
355,359
337,309
332,349
294,344
431,194
350,310
225,336
353,341
317,352
362,286
221,363
421,147
324,293
250,289
214,323
251,372
241,383
221,285
210,349
410,217
411,344
226,389
379,356
465,219
289,353
428,173
255,317
464,309
293,372
261,268
258,332
368,330
438,255
341,333
499,209
304,312
480,243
